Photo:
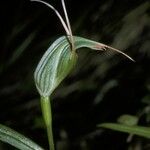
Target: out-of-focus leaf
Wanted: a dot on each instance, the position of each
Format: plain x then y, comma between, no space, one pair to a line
130,23
22,47
128,120
108,86
17,29
137,130
17,140
146,99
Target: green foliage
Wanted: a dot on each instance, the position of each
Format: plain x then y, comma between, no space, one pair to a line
17,140
128,120
137,130
21,48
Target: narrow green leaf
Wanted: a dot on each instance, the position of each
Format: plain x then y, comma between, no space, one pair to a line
137,130
17,140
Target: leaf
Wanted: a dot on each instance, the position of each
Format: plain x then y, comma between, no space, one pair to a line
17,140
137,130
21,48
128,120
59,60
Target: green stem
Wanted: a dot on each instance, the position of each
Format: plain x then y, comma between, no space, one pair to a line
47,116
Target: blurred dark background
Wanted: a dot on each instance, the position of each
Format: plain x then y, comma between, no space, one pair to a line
102,87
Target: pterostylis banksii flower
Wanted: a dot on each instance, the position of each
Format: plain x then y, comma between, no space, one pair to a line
57,62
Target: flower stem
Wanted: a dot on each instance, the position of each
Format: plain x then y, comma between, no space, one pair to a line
47,116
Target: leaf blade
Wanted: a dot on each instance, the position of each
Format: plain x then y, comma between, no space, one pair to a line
17,140
137,130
